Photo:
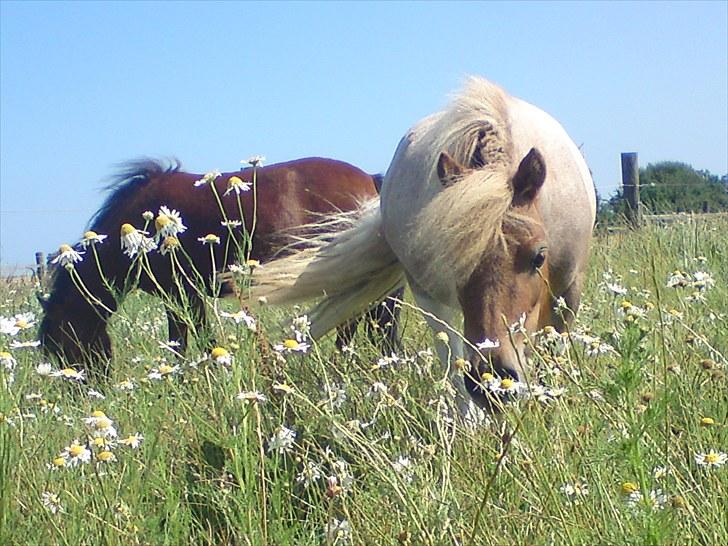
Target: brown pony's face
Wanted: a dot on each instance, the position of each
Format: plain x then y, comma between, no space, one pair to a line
74,334
507,294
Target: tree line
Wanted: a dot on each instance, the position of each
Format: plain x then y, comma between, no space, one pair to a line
671,187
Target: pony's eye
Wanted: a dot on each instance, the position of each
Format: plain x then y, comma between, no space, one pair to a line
539,259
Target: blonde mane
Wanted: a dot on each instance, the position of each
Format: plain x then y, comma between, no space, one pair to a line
465,220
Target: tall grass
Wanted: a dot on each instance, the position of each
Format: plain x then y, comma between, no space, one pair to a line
378,456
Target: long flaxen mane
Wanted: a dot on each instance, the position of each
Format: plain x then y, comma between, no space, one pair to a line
465,220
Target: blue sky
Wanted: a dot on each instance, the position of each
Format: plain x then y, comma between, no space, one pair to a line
84,86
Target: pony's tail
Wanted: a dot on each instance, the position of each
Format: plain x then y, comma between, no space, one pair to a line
345,258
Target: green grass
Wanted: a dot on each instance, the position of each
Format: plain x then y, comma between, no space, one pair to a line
405,473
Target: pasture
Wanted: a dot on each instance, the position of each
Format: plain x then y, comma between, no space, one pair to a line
266,441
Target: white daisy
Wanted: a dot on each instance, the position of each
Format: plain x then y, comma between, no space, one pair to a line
168,223
208,178
91,238
67,256
712,458
282,441
237,185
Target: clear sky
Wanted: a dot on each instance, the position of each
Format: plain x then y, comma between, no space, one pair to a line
85,86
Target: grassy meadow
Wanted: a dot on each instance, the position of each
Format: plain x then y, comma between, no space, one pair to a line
253,444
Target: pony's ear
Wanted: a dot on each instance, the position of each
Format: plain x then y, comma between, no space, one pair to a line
449,170
529,178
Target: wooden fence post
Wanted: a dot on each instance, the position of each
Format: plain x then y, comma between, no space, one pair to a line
631,187
40,266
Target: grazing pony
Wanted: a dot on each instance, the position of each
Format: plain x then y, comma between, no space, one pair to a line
270,199
486,211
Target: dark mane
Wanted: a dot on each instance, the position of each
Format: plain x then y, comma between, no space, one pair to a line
129,176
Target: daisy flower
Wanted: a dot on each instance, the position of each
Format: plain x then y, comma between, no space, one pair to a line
7,361
710,459
69,374
76,454
291,346
91,238
169,245
209,239
237,184
168,223
133,440
13,325
52,502
255,160
252,396
282,441
126,385
507,386
134,241
208,178
100,425
44,369
655,500
241,316
283,388
487,344
163,371
24,344
575,491
106,456
67,256
220,355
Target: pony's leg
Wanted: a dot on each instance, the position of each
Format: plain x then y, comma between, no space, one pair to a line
561,318
178,330
382,323
187,313
345,334
441,318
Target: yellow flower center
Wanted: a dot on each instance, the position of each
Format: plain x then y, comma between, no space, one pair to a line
98,413
21,323
707,421
75,450
162,221
165,369
211,238
548,329
235,181
290,344
5,354
629,487
127,229
103,423
64,248
99,442
69,372
171,242
487,376
674,312
105,456
711,458
219,352
252,263
59,461
507,383
626,304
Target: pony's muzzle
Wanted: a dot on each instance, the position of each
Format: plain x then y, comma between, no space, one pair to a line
490,378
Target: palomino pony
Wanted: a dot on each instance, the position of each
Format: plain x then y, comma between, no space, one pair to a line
284,196
486,211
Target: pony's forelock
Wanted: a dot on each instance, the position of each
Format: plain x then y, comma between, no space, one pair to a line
464,220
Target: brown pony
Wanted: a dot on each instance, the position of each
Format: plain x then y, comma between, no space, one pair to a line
274,199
